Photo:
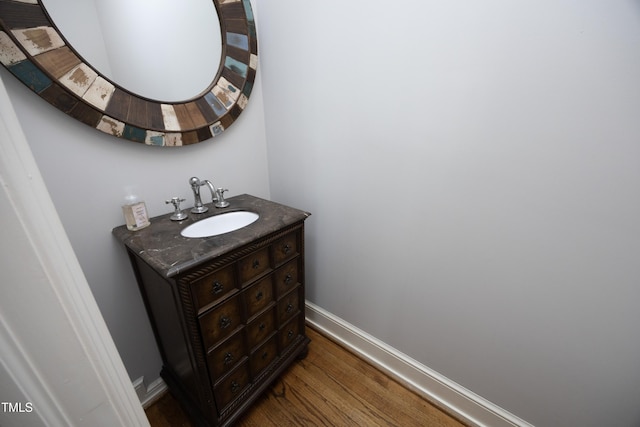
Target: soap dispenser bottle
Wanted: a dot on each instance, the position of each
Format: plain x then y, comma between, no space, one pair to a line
135,213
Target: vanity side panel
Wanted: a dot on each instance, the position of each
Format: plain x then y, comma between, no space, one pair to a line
303,293
163,308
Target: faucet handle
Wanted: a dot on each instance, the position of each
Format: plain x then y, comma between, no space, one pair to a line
221,203
178,215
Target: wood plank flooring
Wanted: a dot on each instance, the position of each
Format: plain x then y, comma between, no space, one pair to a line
331,387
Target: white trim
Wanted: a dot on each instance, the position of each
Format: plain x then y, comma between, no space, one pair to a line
50,252
434,387
149,394
27,384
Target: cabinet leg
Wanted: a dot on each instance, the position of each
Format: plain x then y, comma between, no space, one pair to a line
303,354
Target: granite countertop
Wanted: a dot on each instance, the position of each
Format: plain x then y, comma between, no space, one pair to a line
163,248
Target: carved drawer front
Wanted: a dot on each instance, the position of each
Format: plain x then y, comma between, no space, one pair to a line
259,329
224,357
286,277
221,321
258,296
213,286
289,332
254,265
232,386
285,248
288,306
263,356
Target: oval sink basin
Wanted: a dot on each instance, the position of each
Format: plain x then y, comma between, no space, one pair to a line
220,224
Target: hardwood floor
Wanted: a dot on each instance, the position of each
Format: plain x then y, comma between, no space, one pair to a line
330,387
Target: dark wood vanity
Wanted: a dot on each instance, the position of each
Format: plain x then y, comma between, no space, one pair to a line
228,310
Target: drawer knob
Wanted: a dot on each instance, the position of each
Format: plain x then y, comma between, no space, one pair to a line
228,358
234,387
225,322
255,264
286,248
288,278
259,296
265,355
290,334
216,288
262,326
289,308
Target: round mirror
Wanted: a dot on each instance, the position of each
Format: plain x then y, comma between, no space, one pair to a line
188,55
33,50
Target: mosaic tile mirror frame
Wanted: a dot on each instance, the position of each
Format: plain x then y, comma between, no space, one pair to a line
33,50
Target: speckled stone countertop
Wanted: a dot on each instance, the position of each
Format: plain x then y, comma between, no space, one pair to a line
163,248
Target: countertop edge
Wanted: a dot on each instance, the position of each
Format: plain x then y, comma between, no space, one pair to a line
162,247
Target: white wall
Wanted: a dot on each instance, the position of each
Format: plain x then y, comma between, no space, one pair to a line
473,170
89,173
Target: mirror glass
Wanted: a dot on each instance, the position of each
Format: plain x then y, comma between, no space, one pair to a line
178,43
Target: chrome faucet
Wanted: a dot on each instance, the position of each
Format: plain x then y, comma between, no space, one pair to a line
217,195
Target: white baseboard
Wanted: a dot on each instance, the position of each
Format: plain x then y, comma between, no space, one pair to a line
148,394
439,390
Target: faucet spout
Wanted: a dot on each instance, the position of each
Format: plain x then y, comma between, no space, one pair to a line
212,188
217,195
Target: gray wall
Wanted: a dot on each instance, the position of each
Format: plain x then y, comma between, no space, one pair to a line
473,170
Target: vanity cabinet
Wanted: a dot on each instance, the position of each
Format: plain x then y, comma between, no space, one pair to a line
227,320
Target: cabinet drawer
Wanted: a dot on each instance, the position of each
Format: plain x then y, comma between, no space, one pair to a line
289,332
226,356
258,296
288,306
259,329
232,386
285,248
263,356
213,286
221,321
286,277
254,265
